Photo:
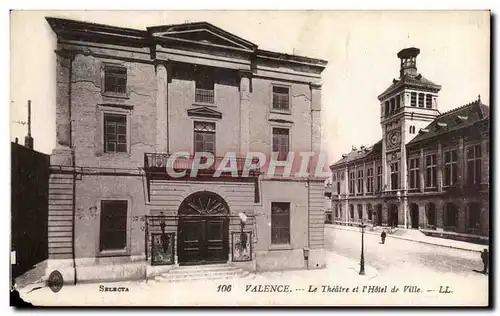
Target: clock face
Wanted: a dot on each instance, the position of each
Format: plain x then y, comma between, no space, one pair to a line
394,138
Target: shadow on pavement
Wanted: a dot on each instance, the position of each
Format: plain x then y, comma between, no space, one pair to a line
478,271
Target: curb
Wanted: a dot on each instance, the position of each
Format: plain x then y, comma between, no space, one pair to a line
408,239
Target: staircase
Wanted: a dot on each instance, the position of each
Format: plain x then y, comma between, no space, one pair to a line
203,272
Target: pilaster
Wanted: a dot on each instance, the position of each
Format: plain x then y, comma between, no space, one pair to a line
439,167
461,162
61,155
161,107
245,95
421,171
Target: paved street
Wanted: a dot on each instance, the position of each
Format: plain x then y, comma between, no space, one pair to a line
397,252
424,274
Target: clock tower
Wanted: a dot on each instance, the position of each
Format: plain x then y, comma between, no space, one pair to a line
407,105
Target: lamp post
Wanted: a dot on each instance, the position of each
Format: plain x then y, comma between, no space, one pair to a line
243,241
362,261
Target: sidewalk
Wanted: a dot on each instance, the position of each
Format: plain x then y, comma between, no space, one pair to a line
417,236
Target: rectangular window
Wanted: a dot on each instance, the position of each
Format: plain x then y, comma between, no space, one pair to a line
394,176
413,100
115,79
281,142
473,164
113,230
204,137
421,97
338,187
428,101
205,87
280,223
369,180
430,171
281,98
115,133
360,181
351,182
398,101
414,173
450,167
379,178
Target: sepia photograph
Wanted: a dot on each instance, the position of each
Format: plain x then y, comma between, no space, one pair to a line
250,158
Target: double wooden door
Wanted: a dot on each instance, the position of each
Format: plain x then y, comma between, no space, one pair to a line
203,239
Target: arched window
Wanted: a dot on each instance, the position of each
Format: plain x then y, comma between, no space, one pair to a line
351,211
360,211
370,211
474,216
431,214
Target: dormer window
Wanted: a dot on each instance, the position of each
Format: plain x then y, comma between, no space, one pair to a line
205,87
281,99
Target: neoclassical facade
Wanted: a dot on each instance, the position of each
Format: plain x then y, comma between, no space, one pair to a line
127,100
429,171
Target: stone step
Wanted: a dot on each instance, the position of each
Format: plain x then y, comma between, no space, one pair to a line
168,277
205,267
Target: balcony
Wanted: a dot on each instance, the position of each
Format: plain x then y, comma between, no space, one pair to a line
204,96
157,163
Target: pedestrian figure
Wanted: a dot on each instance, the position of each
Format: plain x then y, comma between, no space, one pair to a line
383,235
484,257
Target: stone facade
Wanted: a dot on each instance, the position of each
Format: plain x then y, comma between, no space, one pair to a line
160,109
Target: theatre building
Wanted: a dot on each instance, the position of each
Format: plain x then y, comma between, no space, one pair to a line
430,170
127,100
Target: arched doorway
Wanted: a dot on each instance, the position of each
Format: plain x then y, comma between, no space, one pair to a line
473,218
203,229
414,215
450,216
379,214
431,215
393,215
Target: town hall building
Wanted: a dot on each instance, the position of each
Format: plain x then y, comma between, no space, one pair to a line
430,170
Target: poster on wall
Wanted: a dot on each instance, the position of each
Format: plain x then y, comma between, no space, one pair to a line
242,246
162,251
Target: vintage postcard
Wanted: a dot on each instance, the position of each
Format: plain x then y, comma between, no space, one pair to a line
250,158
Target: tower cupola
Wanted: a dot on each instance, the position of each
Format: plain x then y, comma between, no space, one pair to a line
408,58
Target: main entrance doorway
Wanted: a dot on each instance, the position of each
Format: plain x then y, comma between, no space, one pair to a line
203,229
414,216
393,215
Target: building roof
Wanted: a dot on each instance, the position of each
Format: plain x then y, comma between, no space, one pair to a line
452,120
356,154
456,119
411,81
196,33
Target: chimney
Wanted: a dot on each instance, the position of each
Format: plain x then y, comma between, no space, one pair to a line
363,148
354,148
408,58
28,140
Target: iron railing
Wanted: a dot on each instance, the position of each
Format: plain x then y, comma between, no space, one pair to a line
160,161
204,96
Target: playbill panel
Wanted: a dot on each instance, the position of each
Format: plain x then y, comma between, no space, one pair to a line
305,158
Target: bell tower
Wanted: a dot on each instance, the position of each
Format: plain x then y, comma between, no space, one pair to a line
408,105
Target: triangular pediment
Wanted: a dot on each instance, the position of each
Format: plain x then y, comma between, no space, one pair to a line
202,33
204,111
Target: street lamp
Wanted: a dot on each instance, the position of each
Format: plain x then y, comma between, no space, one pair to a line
362,261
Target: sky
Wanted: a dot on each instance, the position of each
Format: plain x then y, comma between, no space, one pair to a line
360,47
